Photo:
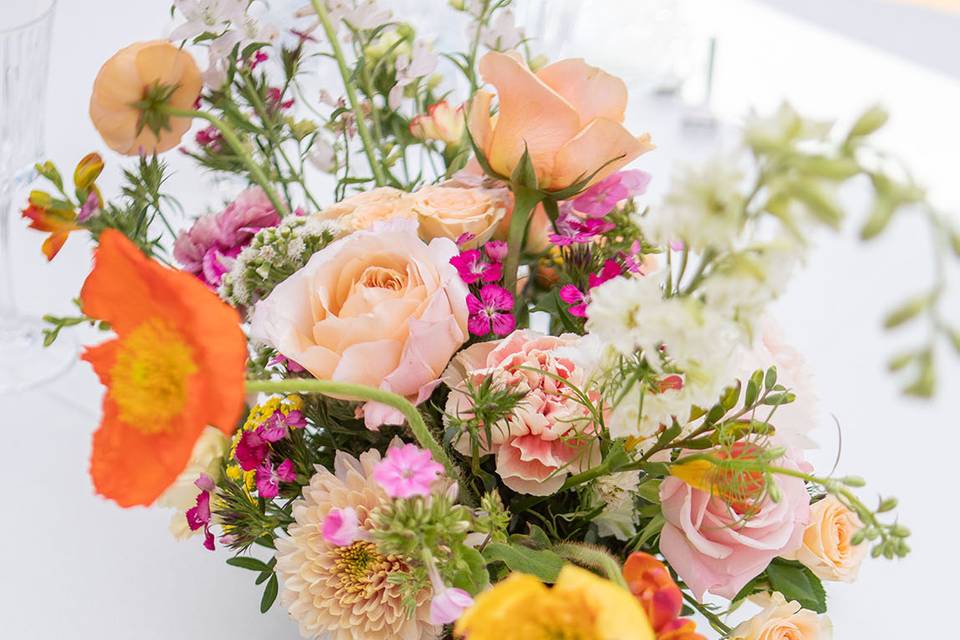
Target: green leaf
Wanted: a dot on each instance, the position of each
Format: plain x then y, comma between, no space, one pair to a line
907,311
818,202
883,209
796,582
954,336
770,379
246,562
543,564
649,490
524,174
871,120
779,398
538,537
269,594
730,396
650,530
474,577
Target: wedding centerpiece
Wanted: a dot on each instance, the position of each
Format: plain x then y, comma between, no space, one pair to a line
485,387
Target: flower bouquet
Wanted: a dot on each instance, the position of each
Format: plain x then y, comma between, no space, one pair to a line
480,387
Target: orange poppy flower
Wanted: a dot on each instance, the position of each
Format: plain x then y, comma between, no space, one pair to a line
176,366
136,78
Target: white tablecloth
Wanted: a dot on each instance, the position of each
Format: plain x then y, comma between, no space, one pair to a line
76,566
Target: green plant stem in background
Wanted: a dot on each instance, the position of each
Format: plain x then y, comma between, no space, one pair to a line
592,557
525,201
362,392
348,80
256,172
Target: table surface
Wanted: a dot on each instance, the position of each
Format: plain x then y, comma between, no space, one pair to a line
77,566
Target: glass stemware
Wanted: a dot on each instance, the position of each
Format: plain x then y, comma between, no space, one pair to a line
25,33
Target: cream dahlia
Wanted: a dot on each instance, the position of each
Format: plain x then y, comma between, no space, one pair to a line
345,591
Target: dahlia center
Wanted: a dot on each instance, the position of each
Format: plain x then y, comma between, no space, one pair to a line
149,377
359,564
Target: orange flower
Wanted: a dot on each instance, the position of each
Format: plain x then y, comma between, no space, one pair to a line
650,581
132,84
44,215
569,116
176,366
680,629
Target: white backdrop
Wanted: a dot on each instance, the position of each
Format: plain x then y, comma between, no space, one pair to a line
75,566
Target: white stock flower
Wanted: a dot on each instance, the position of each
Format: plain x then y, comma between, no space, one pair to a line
704,207
323,156
421,61
502,34
210,16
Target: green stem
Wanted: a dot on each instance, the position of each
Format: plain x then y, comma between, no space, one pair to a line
362,129
256,172
525,201
718,625
592,557
372,394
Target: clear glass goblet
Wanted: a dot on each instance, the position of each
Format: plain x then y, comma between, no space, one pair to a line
25,33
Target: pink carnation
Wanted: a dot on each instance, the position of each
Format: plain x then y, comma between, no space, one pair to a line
714,548
550,434
210,246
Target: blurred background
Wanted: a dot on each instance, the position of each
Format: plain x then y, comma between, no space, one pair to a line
78,567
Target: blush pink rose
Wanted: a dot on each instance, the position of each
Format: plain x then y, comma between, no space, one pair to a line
550,435
379,307
715,548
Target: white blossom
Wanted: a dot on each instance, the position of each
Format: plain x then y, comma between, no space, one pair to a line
420,62
502,34
323,156
616,492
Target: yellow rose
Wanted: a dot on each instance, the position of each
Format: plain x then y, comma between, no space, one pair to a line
827,548
782,620
449,211
364,209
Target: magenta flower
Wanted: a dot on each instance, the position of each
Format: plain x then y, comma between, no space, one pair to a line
259,57
496,250
407,471
270,477
341,527
473,268
275,98
465,238
492,311
291,366
210,137
89,208
251,451
578,300
603,197
278,426
209,247
574,230
199,516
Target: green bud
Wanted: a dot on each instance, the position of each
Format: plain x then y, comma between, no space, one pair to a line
872,119
954,336
883,209
889,551
903,549
908,311
459,5
899,531
49,171
858,538
871,533
854,481
876,551
886,505
897,363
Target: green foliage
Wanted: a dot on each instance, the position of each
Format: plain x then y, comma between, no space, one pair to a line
796,582
541,563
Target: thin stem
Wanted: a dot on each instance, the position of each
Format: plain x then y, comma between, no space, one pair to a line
372,394
718,625
256,172
362,129
525,201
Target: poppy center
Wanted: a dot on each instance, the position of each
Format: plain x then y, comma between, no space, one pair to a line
150,375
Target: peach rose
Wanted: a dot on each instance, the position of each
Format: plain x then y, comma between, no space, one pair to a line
783,620
129,77
378,307
568,115
363,210
449,210
550,435
441,122
828,548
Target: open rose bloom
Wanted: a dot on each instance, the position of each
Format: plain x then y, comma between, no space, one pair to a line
379,307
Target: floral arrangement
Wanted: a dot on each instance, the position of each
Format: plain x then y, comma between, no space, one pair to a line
484,388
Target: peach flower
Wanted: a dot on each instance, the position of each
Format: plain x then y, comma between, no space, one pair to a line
550,435
828,548
719,547
378,307
441,122
363,210
449,211
783,620
132,75
568,115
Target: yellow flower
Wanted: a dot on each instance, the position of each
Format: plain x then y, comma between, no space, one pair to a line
580,606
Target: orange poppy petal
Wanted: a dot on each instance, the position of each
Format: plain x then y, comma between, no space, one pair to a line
594,93
531,115
603,143
52,245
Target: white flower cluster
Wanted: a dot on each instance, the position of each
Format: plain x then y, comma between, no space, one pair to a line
273,255
703,209
676,336
616,492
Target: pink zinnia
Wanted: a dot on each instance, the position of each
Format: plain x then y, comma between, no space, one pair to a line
407,471
492,311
